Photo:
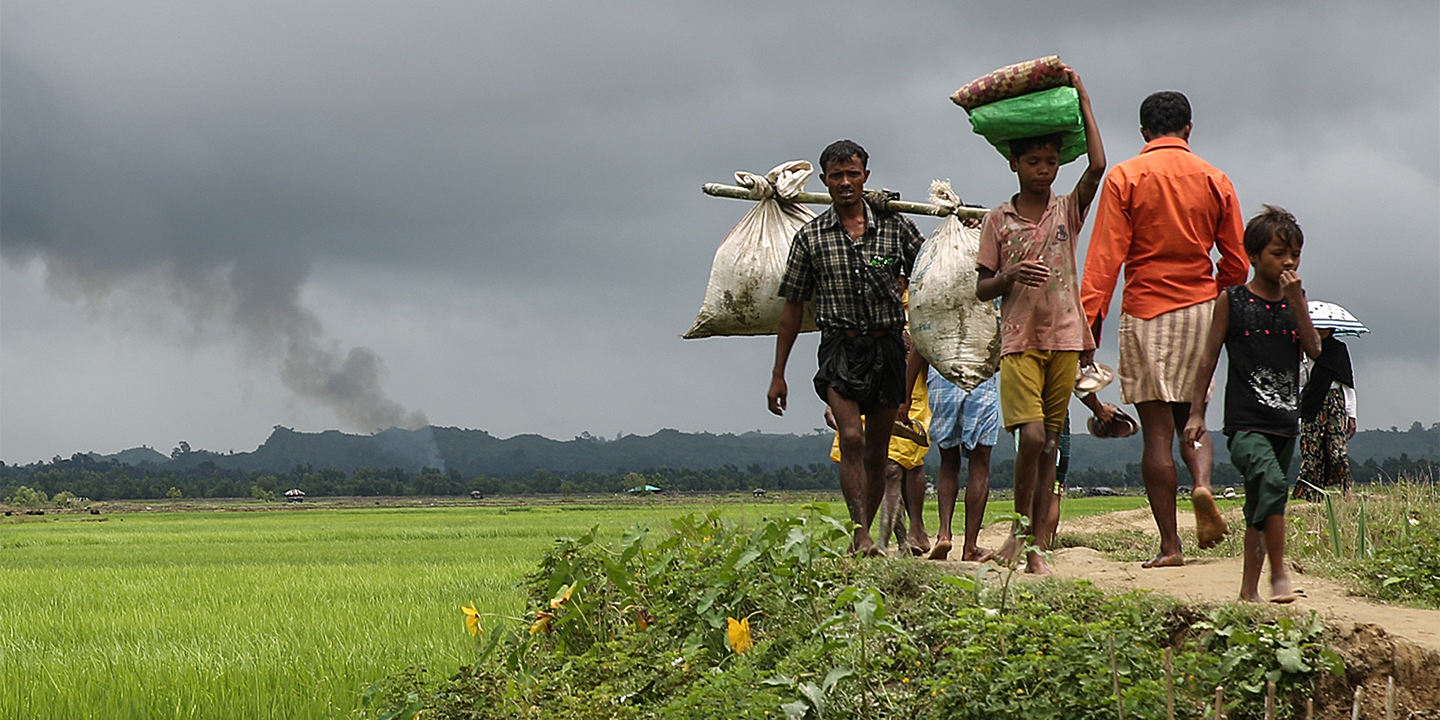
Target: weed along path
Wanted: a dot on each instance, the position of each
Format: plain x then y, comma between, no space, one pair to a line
1211,580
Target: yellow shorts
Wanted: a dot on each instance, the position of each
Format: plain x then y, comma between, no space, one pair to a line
1035,385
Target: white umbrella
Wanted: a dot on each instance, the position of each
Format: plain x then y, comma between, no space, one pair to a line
1329,315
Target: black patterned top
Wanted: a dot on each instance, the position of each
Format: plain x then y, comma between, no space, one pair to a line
1262,387
855,283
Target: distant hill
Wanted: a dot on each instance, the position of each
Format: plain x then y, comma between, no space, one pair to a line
135,456
476,452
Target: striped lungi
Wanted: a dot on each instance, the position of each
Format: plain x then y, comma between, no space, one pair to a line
1160,357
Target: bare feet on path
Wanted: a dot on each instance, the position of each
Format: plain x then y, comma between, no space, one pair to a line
919,545
978,554
941,550
1161,561
1210,528
1280,592
862,545
1036,565
1006,553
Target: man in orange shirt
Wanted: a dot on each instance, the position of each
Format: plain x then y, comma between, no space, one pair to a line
1160,215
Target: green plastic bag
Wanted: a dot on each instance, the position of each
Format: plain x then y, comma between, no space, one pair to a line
1056,110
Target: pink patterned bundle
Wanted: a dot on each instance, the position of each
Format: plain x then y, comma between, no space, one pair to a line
1012,80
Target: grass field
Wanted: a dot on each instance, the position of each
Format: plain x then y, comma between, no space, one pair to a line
278,614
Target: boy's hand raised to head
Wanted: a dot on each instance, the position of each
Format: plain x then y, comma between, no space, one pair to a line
1074,79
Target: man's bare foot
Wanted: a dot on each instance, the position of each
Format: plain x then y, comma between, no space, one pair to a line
863,544
978,554
918,545
1210,528
1280,592
1251,596
941,550
1175,560
1036,565
1006,553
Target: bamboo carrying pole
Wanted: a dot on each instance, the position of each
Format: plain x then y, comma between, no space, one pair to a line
1219,702
809,198
1269,700
1355,709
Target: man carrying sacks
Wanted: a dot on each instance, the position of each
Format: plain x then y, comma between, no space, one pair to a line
851,259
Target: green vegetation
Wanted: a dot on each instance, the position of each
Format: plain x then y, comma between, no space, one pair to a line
254,614
251,613
719,619
1387,545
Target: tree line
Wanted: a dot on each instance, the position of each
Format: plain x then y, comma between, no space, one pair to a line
82,476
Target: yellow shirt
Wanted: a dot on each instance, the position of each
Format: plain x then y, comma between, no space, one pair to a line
905,452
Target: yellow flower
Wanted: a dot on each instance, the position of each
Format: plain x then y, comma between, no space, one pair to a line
738,633
472,619
905,680
560,599
542,622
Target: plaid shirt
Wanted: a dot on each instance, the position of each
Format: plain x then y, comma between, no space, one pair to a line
855,283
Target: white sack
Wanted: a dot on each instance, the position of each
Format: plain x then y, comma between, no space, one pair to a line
958,334
741,297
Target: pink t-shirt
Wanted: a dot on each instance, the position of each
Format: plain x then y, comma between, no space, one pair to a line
1048,317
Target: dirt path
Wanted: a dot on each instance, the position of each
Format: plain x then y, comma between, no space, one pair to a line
1217,580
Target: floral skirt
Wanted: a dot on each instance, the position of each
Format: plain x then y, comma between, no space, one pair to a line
1324,459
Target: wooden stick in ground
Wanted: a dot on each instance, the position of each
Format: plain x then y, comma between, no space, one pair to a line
809,198
1169,687
1219,702
1390,697
1115,676
1355,708
1269,700
1309,708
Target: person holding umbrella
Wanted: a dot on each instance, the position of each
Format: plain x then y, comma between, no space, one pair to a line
1327,404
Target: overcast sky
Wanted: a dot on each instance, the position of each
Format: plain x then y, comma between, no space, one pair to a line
219,217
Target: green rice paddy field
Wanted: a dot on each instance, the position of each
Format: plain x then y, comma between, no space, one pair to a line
278,613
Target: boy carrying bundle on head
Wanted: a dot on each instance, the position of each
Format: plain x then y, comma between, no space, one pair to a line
1263,326
1027,258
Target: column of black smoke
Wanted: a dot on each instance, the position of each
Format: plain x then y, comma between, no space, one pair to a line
109,209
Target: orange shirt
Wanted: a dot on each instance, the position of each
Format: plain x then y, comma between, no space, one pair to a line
1160,214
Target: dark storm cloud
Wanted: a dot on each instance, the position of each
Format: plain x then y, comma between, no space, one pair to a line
556,150
105,206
